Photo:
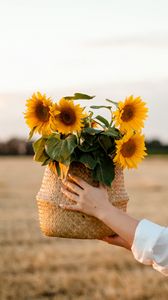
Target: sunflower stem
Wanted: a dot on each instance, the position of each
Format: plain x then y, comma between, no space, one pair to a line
100,124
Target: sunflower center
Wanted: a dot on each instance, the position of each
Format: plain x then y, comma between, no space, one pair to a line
42,112
128,113
68,116
128,148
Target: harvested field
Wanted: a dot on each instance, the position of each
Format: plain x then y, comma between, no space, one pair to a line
36,267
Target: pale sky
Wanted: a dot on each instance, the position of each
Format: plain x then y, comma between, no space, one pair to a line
103,47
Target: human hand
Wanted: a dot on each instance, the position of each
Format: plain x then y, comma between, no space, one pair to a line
87,199
94,201
117,241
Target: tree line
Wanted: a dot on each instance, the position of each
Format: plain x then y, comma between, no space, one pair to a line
16,146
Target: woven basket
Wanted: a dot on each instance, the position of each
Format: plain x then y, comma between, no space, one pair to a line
58,222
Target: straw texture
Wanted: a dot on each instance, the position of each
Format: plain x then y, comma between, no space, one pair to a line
55,221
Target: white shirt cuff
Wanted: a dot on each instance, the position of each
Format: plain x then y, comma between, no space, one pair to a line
146,236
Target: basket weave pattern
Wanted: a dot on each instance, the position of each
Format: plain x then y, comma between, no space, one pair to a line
55,221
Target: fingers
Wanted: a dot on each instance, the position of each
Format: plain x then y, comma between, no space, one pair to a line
83,184
70,195
69,207
74,187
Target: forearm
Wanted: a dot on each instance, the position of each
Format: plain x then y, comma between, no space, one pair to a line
121,223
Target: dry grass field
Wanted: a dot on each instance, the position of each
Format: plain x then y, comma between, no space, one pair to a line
36,267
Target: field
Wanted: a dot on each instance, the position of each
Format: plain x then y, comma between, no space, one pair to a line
36,267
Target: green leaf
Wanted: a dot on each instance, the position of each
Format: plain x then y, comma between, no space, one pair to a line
91,130
78,96
39,149
104,171
112,131
31,133
113,102
82,96
107,143
46,162
86,147
55,135
89,142
88,160
103,120
100,106
60,150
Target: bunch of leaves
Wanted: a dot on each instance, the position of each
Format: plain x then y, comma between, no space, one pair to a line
94,148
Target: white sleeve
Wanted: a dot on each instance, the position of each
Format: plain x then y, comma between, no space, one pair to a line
150,245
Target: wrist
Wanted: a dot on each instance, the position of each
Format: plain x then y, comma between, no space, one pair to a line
104,213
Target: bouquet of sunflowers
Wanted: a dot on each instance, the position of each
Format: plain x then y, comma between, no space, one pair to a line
96,148
69,133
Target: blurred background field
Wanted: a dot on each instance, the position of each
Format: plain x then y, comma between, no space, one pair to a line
36,267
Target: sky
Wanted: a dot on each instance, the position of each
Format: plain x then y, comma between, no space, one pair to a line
107,48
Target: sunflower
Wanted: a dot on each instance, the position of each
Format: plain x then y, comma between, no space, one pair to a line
130,114
38,114
69,118
130,150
